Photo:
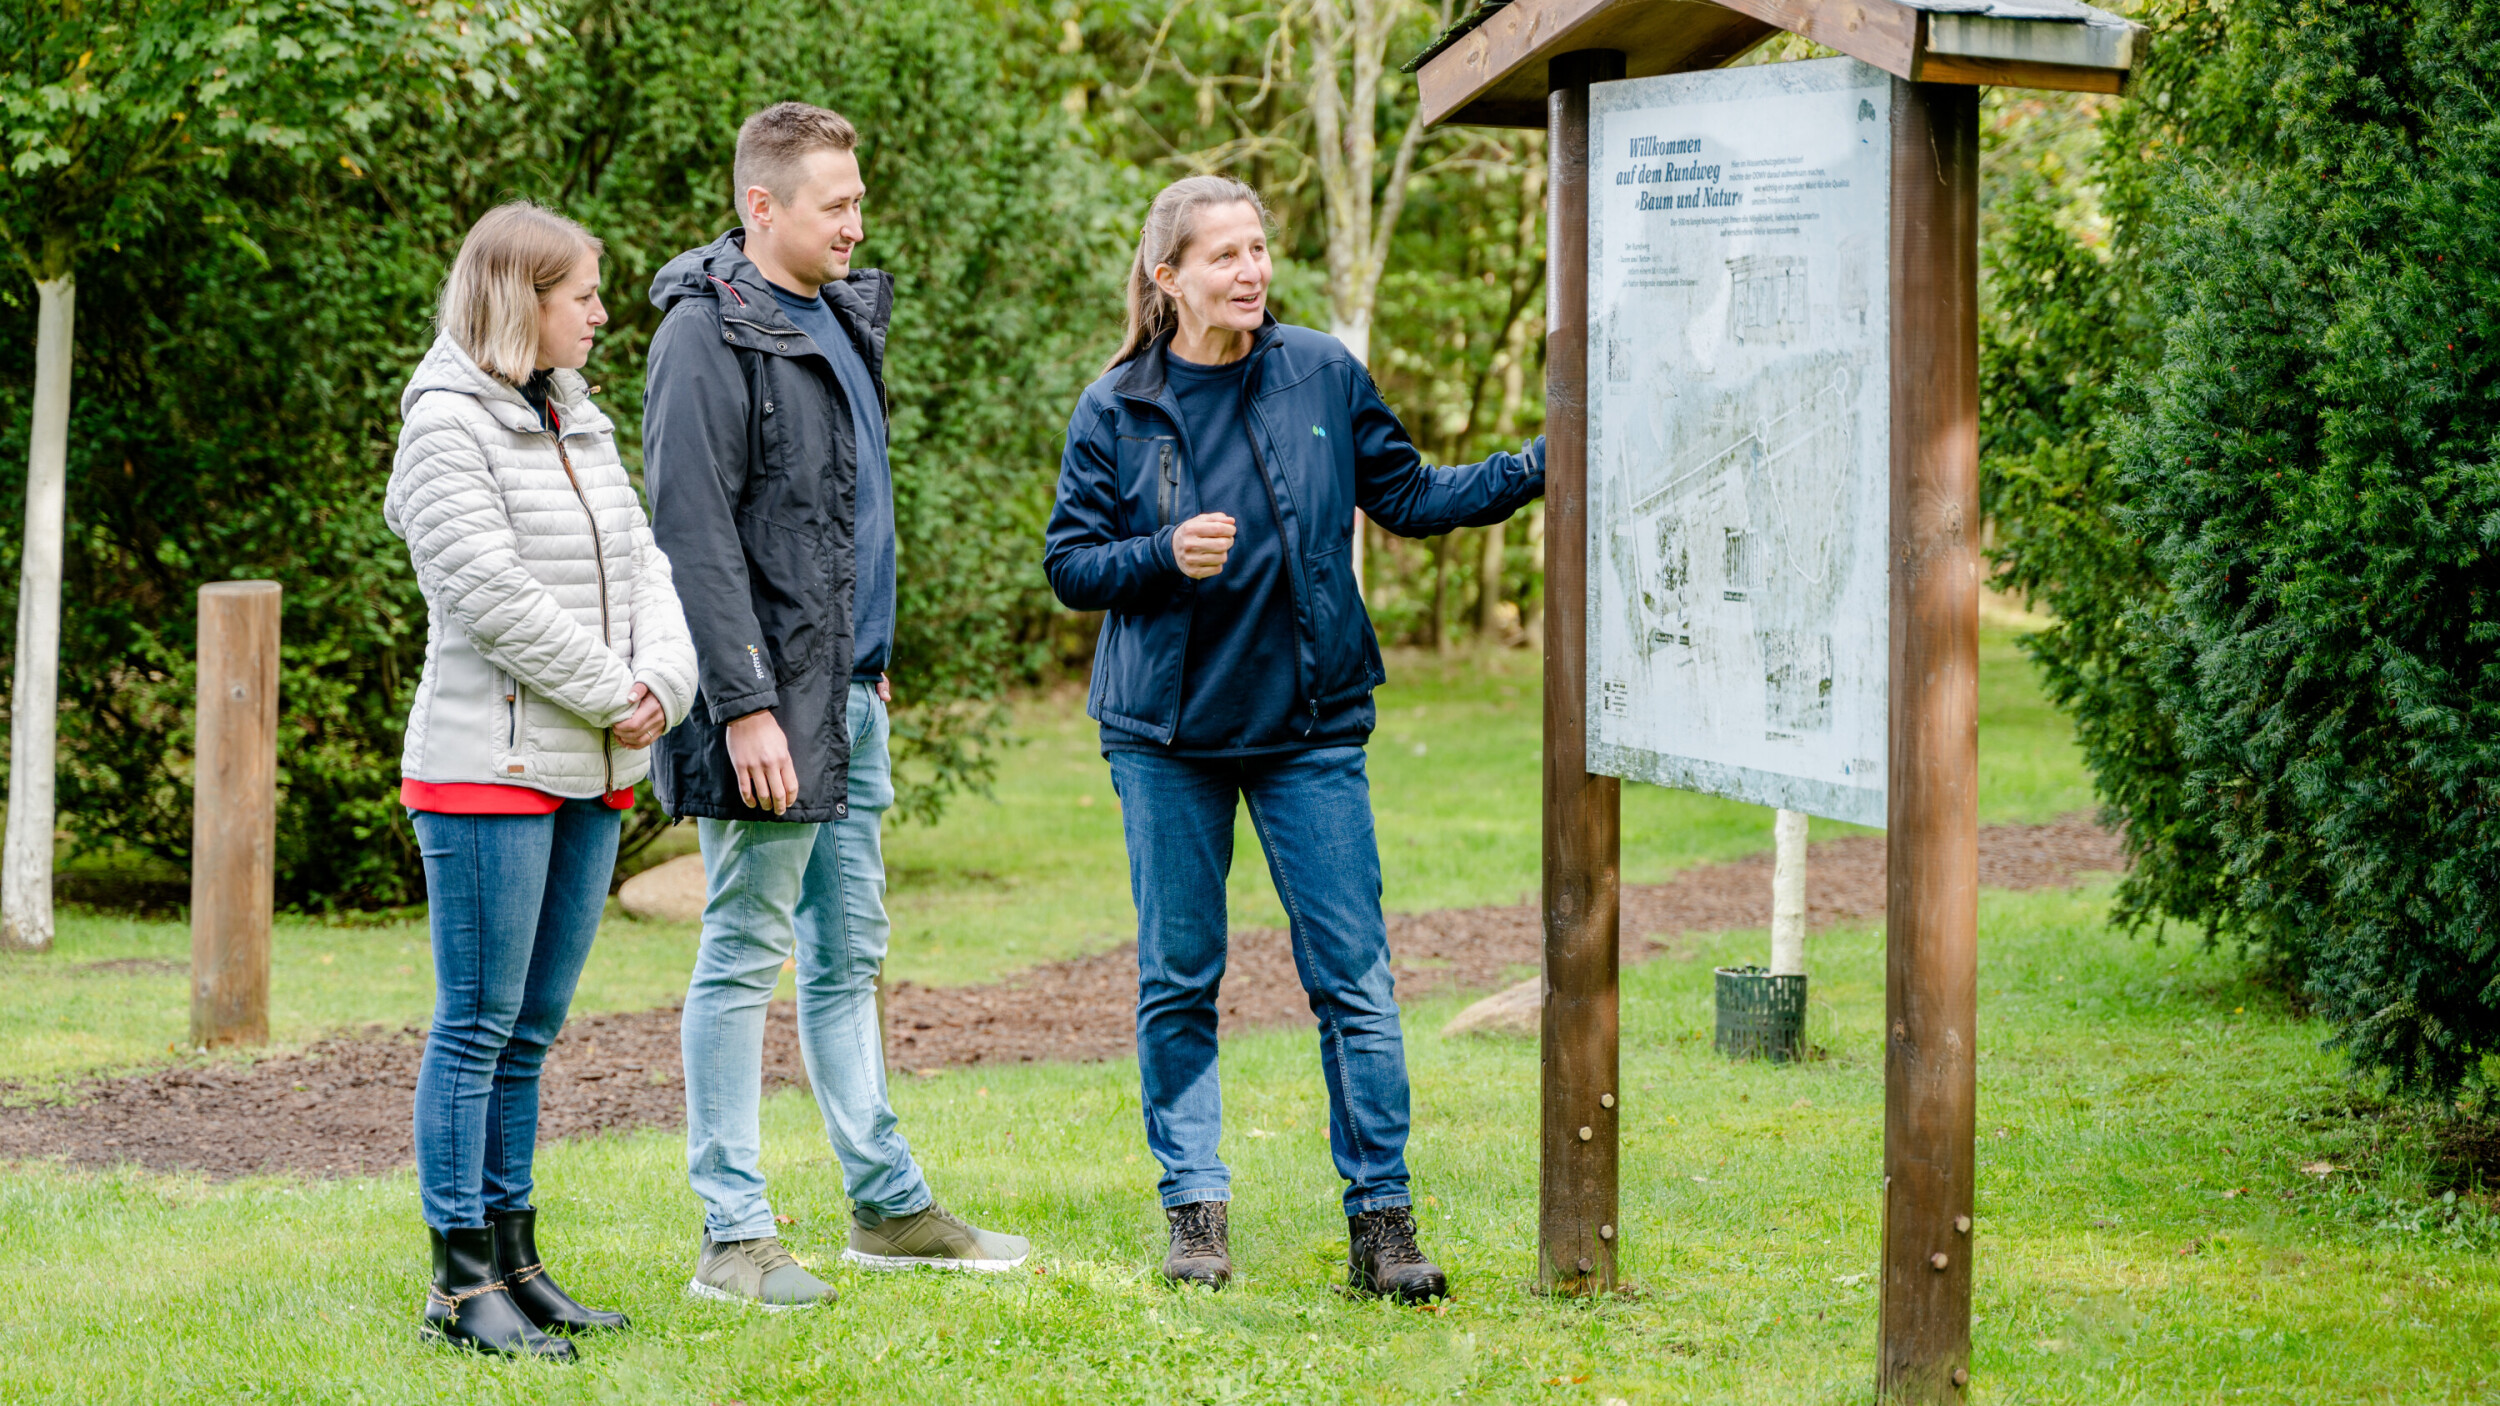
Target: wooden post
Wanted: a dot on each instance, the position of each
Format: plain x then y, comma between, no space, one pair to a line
1576,1224
234,815
1931,1002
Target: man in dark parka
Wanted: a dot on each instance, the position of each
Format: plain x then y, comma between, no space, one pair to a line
764,448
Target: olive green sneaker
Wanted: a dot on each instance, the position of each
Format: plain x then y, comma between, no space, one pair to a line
933,1238
759,1272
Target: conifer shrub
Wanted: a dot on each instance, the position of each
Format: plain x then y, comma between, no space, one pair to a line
2269,516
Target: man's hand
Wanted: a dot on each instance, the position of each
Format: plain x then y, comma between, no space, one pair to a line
645,723
885,689
1201,544
760,754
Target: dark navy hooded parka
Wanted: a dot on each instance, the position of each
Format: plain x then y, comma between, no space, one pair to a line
1324,444
752,462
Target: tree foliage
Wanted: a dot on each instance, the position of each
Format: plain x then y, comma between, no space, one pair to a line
1169,87
2266,499
239,421
108,109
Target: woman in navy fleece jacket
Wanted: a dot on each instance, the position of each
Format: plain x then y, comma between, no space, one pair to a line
1206,504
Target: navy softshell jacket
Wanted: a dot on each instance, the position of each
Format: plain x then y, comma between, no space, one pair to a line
1325,445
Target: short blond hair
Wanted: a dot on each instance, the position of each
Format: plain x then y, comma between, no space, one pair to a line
511,257
772,143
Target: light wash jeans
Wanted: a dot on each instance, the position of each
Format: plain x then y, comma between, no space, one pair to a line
1313,814
817,891
513,902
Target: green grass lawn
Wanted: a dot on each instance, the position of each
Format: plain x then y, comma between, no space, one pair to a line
2146,1232
1038,871
2180,1197
1033,874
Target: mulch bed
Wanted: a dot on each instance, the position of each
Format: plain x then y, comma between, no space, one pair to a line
340,1107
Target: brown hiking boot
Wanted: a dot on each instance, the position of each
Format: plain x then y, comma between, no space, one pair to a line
1382,1259
1200,1253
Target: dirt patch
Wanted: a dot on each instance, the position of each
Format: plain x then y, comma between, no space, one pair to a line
340,1107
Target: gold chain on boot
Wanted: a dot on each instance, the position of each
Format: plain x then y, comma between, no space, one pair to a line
434,1294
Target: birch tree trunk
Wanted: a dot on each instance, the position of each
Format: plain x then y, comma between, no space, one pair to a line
1506,426
1788,895
1349,58
26,857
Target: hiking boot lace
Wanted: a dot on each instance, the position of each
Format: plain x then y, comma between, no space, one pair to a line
1391,1237
768,1255
1194,1230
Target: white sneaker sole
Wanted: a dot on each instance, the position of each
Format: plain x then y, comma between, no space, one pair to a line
867,1261
697,1289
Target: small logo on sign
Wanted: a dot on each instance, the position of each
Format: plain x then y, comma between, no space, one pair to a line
1615,697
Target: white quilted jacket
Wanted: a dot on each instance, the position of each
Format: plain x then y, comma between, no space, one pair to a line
546,599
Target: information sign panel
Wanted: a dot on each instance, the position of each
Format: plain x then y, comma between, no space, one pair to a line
1739,433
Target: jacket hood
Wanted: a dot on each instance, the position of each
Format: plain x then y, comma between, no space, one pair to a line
722,272
447,368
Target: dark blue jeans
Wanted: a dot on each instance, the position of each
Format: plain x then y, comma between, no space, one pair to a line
1313,814
513,901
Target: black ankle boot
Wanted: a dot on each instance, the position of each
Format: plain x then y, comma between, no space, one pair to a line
467,1306
526,1278
1382,1259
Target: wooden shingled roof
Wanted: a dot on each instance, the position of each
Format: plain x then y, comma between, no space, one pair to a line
1489,70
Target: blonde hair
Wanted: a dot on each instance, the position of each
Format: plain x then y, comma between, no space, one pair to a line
1171,223
511,257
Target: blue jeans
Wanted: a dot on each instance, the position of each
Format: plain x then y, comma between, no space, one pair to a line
1313,814
513,902
775,890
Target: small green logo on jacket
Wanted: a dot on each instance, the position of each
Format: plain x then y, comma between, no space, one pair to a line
1323,434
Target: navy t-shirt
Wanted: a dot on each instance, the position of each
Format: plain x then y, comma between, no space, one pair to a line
1239,695
872,610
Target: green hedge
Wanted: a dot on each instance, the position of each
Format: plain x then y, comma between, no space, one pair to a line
237,386
2268,505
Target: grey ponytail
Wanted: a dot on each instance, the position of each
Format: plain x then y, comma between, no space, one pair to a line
1171,223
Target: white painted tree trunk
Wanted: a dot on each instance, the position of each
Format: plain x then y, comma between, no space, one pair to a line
1788,895
26,858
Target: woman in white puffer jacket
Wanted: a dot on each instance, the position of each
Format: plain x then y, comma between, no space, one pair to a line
555,654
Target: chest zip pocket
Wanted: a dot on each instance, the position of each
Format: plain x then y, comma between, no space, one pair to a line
1167,489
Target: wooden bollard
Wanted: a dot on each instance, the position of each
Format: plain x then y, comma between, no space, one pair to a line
234,813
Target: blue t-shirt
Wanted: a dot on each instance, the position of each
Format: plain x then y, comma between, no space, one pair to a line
1239,694
872,537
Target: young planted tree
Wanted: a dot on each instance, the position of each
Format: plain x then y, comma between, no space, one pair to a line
119,115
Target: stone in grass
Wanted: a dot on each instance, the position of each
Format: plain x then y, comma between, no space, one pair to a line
666,893
1512,1012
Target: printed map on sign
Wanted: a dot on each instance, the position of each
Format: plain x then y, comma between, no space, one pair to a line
1739,433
